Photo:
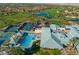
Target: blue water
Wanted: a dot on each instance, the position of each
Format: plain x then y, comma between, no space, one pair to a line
44,14
12,29
76,20
27,26
41,14
26,40
1,41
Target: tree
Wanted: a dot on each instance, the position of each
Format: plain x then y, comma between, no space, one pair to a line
74,41
70,49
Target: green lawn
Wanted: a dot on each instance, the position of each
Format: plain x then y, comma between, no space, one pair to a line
48,52
19,17
12,18
53,11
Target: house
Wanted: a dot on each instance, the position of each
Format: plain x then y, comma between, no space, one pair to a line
57,36
47,41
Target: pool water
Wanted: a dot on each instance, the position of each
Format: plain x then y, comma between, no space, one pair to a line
26,39
41,14
76,20
44,14
28,26
11,29
1,41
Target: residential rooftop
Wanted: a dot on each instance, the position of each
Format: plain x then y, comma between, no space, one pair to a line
57,36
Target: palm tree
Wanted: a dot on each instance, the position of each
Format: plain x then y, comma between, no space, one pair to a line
71,47
74,41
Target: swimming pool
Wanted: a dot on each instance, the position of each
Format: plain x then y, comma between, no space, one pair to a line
41,14
26,26
75,20
26,39
44,14
11,28
1,41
